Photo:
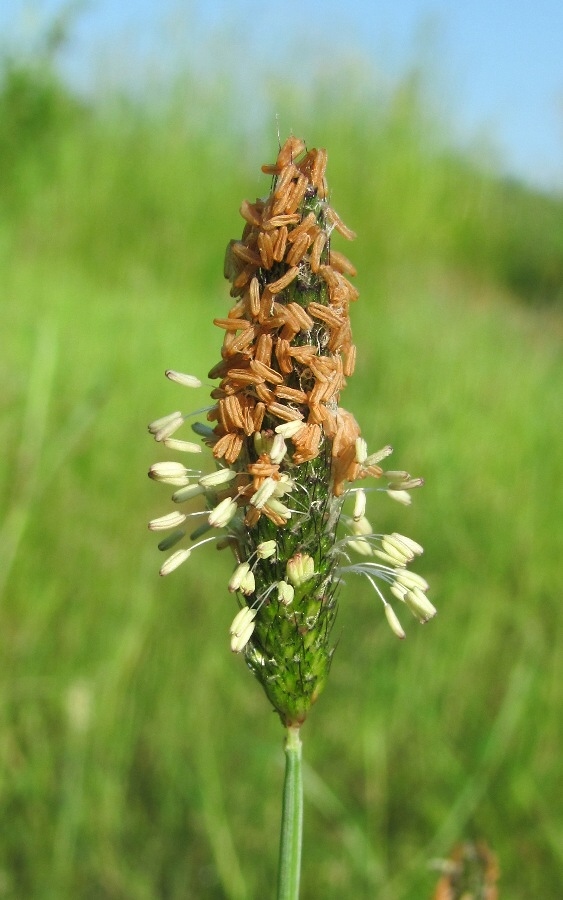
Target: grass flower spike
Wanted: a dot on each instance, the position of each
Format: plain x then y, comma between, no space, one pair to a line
285,495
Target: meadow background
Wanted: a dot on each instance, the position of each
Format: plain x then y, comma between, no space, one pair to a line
138,758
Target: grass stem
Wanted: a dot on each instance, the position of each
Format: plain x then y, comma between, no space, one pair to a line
292,819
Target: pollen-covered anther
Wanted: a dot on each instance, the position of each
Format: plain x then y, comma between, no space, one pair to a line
393,621
169,472
277,511
419,605
183,379
222,514
361,528
174,560
237,577
359,505
300,568
266,549
181,446
242,628
263,494
286,593
216,479
171,520
166,426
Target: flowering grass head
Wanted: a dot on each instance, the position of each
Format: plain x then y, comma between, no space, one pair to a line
288,496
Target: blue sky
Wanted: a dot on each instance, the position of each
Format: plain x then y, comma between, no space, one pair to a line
495,65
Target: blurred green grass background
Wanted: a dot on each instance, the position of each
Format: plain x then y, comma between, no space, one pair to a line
138,757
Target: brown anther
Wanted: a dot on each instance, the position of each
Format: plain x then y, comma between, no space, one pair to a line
229,447
243,340
283,412
252,212
266,248
266,372
232,324
316,251
335,220
280,243
291,149
254,297
286,176
350,360
296,195
277,286
288,393
283,356
341,263
325,314
298,250
304,354
307,225
259,412
263,349
245,376
263,467
277,221
245,254
318,168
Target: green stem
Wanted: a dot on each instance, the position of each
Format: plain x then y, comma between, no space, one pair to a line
292,819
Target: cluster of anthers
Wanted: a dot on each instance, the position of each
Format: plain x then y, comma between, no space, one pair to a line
287,454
